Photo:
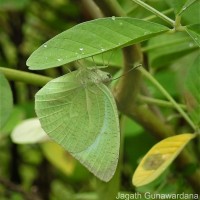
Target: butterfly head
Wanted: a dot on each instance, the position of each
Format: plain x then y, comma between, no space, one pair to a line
102,77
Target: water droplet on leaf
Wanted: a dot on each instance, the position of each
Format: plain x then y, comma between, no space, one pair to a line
191,44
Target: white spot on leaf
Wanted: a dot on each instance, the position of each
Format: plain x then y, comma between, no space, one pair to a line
191,44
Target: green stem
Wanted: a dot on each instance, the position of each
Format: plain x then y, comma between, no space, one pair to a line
177,25
158,102
155,12
25,77
168,11
167,95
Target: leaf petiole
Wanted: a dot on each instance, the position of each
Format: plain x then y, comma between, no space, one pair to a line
159,102
155,12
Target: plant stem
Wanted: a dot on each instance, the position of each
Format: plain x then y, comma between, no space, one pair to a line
177,21
155,12
167,95
91,8
177,25
159,102
170,10
16,188
110,7
25,77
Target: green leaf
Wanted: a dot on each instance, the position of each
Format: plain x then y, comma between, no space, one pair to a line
166,48
181,6
29,131
194,31
92,38
159,157
79,112
190,14
6,100
186,5
178,5
192,94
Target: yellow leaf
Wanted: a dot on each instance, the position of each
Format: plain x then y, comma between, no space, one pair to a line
59,157
159,157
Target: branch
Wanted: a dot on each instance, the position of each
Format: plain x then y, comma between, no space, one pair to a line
159,102
110,7
25,77
90,7
16,188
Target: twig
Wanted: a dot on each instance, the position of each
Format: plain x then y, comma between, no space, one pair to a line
16,188
25,77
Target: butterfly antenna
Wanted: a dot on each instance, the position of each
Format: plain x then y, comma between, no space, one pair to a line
133,68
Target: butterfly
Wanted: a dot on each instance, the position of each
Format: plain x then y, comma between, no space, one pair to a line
78,111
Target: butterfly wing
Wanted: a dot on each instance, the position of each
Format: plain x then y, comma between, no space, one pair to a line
102,156
83,119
